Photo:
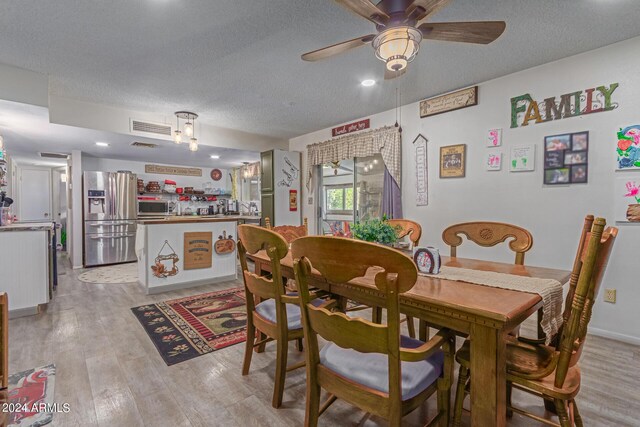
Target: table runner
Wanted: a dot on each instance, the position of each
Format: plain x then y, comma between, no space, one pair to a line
549,290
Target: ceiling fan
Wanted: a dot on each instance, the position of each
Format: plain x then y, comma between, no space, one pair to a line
401,25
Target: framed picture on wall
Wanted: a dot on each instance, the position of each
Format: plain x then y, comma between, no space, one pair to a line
566,158
452,161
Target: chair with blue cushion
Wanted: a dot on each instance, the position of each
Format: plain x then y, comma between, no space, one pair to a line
271,312
367,364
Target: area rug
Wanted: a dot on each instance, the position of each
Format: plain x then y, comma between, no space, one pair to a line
31,397
184,328
120,273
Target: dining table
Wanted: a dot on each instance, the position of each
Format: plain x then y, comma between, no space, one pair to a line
486,314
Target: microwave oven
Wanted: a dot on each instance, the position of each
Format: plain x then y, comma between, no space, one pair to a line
153,207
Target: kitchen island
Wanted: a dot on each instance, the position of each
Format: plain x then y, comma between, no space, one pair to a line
27,266
183,252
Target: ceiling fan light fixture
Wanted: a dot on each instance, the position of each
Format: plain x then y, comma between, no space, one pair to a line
397,46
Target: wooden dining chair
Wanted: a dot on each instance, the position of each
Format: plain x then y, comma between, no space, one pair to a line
367,364
289,232
413,230
488,234
547,371
270,311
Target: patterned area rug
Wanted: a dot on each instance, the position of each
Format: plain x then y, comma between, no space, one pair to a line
120,273
31,397
184,328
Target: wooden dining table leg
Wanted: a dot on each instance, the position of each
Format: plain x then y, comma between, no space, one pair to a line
488,376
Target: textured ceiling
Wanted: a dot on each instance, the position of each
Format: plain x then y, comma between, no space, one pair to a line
237,62
27,132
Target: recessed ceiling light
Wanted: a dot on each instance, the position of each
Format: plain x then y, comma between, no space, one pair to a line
368,82
102,144
214,156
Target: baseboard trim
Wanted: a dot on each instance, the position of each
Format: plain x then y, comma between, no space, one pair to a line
614,336
166,288
23,312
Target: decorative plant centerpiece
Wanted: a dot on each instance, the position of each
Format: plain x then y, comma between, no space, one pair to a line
376,231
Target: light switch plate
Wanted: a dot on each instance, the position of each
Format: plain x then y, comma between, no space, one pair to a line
610,295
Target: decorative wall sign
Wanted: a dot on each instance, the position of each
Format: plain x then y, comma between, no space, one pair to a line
494,138
523,158
216,174
160,268
290,174
452,161
225,244
449,102
422,177
588,101
197,250
172,170
293,200
351,127
627,199
628,148
566,158
494,161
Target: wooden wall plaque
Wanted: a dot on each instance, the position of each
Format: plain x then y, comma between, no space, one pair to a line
197,250
172,170
448,102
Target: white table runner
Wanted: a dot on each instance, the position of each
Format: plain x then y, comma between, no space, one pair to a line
550,291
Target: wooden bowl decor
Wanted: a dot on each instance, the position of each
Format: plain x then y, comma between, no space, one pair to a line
225,245
216,174
159,268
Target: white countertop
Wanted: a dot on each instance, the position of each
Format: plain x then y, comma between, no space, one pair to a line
26,226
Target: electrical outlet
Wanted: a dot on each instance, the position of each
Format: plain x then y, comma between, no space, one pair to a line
610,295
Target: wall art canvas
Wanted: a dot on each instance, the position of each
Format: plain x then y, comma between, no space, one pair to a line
566,158
452,161
494,138
494,161
628,148
422,187
627,199
523,158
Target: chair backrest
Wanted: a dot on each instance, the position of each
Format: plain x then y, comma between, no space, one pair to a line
408,227
487,234
594,257
341,260
4,340
289,232
252,239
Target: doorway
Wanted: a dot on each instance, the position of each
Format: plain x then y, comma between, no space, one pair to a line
34,194
350,191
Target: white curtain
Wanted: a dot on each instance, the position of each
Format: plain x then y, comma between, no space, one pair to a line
385,140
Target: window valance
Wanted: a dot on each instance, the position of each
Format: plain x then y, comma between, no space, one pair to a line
385,140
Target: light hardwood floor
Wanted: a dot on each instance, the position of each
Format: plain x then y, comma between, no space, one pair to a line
111,374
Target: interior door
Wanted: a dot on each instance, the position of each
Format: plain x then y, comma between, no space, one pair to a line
35,194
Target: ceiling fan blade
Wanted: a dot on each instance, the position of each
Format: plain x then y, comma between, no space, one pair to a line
338,48
389,75
483,32
367,10
426,8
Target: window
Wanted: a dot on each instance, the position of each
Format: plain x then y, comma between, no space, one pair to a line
339,199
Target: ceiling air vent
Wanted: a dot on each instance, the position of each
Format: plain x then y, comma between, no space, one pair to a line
139,126
143,144
54,155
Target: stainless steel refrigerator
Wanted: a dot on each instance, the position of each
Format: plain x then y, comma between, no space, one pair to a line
110,214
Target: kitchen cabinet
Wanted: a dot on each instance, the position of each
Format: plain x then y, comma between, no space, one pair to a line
281,175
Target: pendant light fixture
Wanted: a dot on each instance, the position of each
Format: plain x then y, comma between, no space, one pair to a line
188,130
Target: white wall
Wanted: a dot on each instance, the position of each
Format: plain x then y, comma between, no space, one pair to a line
553,214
